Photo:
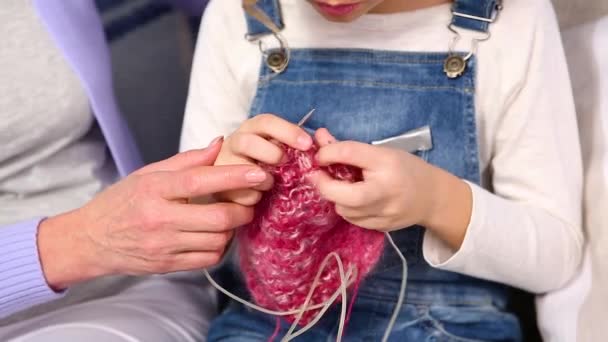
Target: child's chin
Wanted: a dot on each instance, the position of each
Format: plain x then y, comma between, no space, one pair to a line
342,19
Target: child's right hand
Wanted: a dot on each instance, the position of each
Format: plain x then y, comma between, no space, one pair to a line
255,141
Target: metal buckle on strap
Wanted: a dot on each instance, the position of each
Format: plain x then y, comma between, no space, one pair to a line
277,61
455,65
493,17
252,38
458,14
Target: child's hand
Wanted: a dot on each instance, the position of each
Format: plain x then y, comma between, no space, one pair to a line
398,190
391,195
251,144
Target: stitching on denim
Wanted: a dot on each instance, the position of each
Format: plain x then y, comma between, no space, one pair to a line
389,298
389,57
488,9
375,59
439,327
409,323
472,147
256,97
369,84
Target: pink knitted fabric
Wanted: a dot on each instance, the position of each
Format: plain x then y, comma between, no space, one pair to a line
293,231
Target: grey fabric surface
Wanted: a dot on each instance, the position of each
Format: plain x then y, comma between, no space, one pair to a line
151,73
52,158
574,12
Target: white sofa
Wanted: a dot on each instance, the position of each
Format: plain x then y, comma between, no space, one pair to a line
579,312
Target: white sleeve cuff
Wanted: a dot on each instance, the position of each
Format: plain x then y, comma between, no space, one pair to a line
439,255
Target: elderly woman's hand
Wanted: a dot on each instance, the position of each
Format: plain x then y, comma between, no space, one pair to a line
145,225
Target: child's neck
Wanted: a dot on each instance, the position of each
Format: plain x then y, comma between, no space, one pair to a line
395,6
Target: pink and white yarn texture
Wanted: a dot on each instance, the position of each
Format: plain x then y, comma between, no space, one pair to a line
293,232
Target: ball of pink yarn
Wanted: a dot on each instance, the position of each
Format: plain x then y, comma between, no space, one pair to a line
293,231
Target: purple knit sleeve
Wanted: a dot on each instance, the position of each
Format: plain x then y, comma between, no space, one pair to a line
22,283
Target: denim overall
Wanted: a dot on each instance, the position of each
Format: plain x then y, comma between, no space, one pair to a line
370,95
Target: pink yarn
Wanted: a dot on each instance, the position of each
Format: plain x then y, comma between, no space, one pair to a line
293,231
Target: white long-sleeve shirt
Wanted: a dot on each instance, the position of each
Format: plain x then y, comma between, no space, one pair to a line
586,296
525,228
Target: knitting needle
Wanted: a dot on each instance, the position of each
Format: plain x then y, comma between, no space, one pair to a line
306,117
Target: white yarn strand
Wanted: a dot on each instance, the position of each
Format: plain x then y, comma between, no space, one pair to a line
401,297
346,279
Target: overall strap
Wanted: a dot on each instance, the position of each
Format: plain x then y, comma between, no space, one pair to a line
263,17
476,15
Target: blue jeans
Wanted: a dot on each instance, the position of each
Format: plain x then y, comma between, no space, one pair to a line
433,311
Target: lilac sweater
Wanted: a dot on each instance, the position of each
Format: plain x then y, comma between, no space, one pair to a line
77,30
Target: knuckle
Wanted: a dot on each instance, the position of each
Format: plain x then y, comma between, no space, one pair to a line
220,241
340,210
219,218
151,218
393,209
152,247
387,212
346,151
275,156
192,183
213,258
245,198
358,199
148,187
246,215
263,119
240,142
148,221
250,198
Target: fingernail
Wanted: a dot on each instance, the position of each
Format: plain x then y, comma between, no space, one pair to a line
256,176
216,141
304,141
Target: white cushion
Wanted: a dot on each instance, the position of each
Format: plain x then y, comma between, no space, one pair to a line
579,311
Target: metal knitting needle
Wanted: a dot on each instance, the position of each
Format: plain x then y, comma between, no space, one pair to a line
306,117
302,122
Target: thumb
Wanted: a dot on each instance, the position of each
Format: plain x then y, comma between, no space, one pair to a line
324,137
186,160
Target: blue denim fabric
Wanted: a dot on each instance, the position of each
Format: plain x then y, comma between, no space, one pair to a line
433,312
478,8
371,95
273,10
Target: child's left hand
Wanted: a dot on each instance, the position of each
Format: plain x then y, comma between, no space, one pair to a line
398,190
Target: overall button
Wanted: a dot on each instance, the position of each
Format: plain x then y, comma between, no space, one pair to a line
454,66
277,61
